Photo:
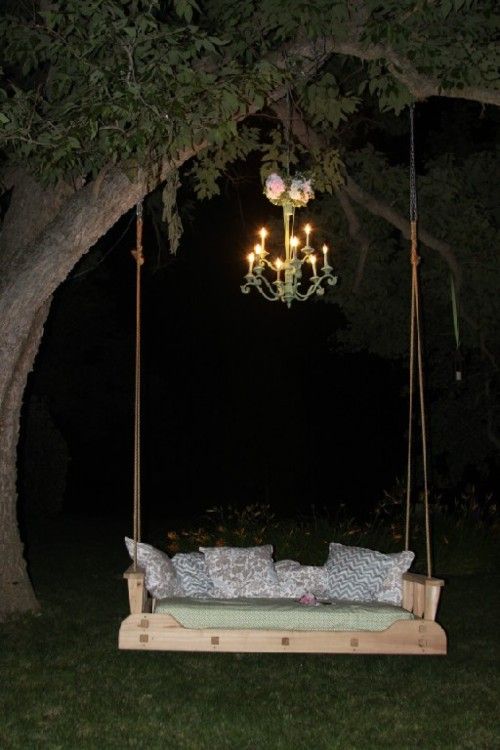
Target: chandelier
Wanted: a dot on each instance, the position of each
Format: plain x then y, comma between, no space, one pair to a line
289,268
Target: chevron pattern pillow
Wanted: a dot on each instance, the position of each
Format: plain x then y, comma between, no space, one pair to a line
192,573
355,573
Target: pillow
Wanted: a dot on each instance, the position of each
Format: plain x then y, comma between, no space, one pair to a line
242,571
192,574
161,579
295,579
355,573
390,590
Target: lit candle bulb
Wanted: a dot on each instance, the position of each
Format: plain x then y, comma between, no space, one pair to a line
279,263
263,235
294,241
258,253
307,230
251,258
325,253
312,261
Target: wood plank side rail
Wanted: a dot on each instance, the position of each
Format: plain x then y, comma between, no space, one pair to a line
138,596
421,595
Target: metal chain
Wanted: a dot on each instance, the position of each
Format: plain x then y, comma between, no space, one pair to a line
288,129
413,173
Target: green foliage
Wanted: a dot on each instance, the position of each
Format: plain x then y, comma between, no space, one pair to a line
464,539
210,164
89,84
325,104
96,83
452,41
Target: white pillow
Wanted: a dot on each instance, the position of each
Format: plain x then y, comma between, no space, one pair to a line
390,590
295,579
160,579
242,571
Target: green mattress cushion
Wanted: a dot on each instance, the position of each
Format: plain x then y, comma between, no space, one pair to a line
280,614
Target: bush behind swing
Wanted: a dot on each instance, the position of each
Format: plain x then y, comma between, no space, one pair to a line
465,532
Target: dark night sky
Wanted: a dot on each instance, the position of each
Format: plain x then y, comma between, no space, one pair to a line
244,400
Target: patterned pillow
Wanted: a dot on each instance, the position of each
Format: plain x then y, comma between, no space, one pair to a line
355,573
295,579
160,579
242,571
192,573
390,590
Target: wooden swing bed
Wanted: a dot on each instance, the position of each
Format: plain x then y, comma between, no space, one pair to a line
145,630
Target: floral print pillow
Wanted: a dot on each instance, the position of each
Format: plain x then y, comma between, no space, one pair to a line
242,571
192,573
295,579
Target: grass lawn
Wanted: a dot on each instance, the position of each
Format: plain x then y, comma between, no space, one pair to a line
64,684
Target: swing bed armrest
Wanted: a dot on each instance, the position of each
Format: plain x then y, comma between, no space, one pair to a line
138,597
421,595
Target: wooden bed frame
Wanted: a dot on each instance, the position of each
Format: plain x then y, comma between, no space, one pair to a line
145,631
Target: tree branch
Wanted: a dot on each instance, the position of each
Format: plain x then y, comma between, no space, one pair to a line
418,84
358,235
380,208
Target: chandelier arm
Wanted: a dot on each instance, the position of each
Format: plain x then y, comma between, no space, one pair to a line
274,298
271,295
262,279
315,287
303,296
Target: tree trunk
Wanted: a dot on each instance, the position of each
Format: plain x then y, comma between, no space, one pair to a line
45,232
16,592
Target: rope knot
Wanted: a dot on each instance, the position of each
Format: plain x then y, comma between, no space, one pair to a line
139,258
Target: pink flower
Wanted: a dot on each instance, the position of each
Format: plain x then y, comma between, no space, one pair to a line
275,186
308,598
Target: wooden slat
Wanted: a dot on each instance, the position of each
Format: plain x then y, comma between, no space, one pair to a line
432,595
137,594
418,578
408,595
163,633
418,599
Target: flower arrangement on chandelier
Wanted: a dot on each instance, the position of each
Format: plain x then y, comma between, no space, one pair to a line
294,191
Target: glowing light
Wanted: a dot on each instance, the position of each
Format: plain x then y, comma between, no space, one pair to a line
312,261
279,264
307,230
